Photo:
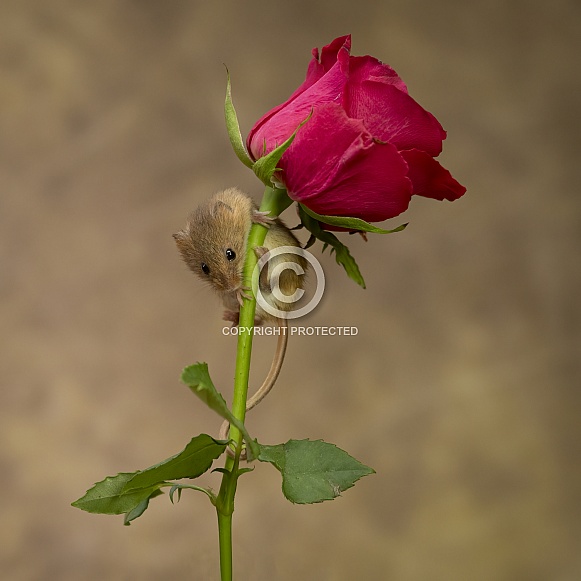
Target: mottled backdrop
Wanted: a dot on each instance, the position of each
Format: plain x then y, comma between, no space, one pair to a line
461,388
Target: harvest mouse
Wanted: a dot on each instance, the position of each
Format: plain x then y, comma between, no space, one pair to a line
213,245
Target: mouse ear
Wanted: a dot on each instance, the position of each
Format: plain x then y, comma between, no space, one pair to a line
185,248
220,206
181,239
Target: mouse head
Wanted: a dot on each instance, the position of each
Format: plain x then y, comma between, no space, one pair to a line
213,243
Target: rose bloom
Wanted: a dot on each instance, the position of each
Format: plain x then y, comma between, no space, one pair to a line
368,147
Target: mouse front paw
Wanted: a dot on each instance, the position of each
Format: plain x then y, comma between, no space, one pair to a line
243,293
263,218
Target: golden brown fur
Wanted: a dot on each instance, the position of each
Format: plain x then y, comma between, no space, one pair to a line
222,224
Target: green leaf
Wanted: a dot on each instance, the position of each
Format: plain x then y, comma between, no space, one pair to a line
197,378
109,496
191,462
140,508
233,127
130,492
342,254
265,167
313,471
353,224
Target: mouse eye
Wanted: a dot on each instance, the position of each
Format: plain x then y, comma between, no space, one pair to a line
230,254
205,268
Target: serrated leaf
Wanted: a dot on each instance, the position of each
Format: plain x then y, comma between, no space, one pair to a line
140,508
353,224
197,378
342,254
128,491
233,127
191,462
313,470
266,166
108,495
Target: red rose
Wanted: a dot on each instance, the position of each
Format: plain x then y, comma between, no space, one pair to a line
368,146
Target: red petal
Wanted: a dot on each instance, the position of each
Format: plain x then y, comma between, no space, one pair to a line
329,53
392,115
347,175
279,124
429,178
368,68
293,113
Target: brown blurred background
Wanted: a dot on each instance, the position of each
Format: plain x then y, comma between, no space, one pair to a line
461,388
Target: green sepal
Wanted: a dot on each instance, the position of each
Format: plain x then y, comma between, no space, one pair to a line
342,254
312,239
313,470
266,166
233,127
352,224
195,459
140,508
197,378
276,199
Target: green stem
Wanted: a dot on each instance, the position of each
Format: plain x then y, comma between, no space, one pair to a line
271,202
225,537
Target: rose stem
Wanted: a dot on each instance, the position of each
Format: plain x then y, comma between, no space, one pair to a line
225,500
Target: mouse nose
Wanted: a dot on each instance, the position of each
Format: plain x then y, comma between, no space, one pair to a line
223,282
231,282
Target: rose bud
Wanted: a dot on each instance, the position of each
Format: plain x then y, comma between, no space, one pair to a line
367,147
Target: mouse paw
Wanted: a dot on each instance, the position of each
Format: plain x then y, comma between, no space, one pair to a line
243,293
263,218
260,251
